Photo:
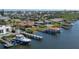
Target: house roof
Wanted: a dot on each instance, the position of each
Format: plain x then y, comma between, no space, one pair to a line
27,23
57,19
39,22
47,21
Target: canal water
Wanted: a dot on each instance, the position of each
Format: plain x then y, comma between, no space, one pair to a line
67,39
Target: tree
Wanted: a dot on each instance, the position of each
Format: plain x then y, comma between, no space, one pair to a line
3,22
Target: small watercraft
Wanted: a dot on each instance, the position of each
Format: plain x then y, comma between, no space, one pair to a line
22,39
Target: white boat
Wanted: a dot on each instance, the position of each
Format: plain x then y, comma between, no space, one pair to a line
72,24
22,39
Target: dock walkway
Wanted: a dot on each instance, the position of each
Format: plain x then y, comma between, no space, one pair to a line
32,36
7,43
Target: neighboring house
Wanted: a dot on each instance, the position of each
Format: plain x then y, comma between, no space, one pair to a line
37,23
4,18
57,19
47,22
26,23
5,29
14,22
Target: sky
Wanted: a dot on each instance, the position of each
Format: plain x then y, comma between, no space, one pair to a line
40,4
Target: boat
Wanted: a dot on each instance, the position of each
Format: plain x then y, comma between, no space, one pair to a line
7,45
21,39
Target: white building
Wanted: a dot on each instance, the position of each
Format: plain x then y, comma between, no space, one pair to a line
4,18
4,29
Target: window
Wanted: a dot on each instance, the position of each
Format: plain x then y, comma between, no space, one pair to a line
7,30
1,31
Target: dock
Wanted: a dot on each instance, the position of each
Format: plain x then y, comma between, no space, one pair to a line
6,43
32,36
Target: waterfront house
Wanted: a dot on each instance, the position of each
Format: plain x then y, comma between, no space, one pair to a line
26,23
54,28
37,23
4,29
57,20
47,22
13,22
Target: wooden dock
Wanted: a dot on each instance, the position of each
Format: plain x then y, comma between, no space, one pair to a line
32,36
6,43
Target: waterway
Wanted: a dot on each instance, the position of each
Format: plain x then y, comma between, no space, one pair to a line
67,39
